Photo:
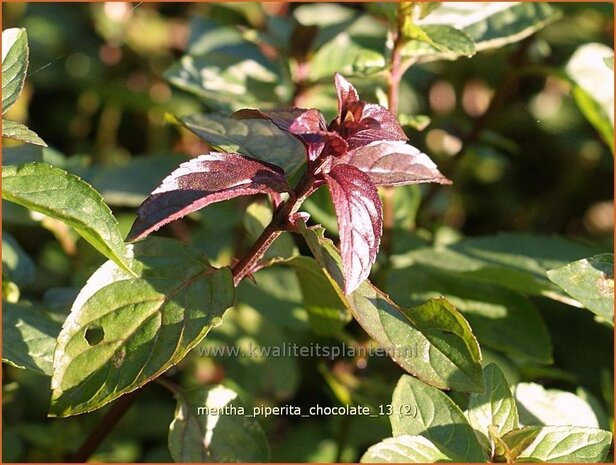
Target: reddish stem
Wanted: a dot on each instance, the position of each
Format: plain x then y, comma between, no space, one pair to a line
280,222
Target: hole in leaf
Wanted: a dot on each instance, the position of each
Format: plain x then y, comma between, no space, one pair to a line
94,335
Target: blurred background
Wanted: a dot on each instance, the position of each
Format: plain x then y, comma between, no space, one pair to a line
96,93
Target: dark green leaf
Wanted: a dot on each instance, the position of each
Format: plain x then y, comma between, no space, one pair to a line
123,331
568,444
501,319
419,409
255,138
18,131
28,337
16,264
14,66
432,341
209,428
514,261
58,194
494,408
405,449
591,282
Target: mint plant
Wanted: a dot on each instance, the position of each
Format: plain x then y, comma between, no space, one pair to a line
489,430
362,148
298,223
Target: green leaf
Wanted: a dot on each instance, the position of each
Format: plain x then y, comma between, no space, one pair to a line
28,337
123,331
255,220
63,196
609,62
432,341
593,87
494,24
540,406
514,261
227,71
419,409
255,138
10,291
438,42
14,65
501,319
327,309
494,408
208,427
417,122
568,444
18,131
347,56
591,282
16,264
510,445
405,449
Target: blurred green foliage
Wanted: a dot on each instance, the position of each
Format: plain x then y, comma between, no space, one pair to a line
98,93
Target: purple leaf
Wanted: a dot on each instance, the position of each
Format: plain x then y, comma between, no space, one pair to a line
361,123
347,94
207,179
308,125
393,163
365,123
360,221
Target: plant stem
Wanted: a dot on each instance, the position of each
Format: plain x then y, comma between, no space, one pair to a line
397,70
279,223
107,423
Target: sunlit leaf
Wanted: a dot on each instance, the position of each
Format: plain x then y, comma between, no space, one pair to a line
405,449
568,444
540,406
14,66
18,131
593,88
208,428
591,282
123,331
494,408
63,196
419,409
